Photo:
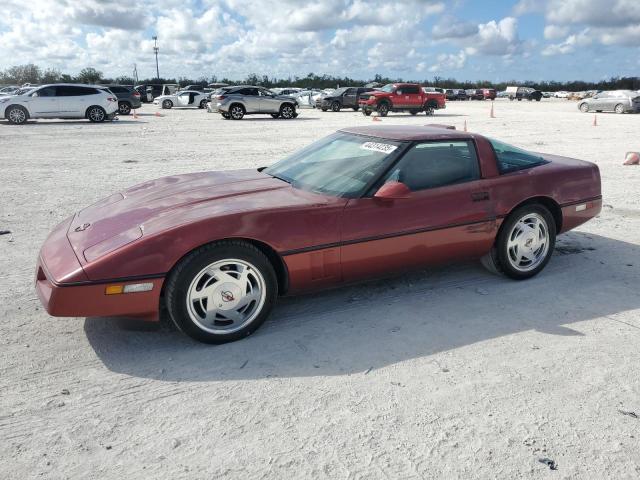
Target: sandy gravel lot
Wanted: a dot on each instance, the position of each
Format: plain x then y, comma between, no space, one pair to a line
443,374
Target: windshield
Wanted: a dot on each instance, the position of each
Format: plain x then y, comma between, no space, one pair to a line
341,164
338,92
387,88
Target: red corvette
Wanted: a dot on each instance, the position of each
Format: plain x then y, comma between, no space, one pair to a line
217,248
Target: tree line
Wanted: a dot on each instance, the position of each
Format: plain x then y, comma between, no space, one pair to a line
30,73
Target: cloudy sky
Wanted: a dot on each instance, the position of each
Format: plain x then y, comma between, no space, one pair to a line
416,39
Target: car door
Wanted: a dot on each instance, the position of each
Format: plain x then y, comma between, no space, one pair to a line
251,99
447,216
183,99
268,101
350,98
613,99
72,100
43,102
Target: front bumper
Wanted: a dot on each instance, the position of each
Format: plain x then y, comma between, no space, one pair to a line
65,291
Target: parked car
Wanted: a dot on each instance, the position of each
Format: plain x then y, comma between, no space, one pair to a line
286,91
474,94
128,98
248,100
528,93
218,248
211,100
307,98
433,89
62,100
401,97
561,94
618,101
489,93
502,94
456,94
9,90
346,97
183,98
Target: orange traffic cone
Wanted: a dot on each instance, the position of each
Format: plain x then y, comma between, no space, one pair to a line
376,119
595,120
135,115
158,114
465,126
632,158
491,115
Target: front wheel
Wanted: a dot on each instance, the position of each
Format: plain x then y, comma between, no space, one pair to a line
335,107
16,115
584,107
525,242
383,109
167,104
287,111
236,112
96,114
221,292
203,104
619,108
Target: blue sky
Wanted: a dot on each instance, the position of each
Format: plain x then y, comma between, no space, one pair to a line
414,39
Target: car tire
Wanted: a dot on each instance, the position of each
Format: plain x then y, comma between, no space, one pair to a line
383,109
246,293
429,110
96,114
584,107
525,242
366,113
324,109
203,104
167,104
236,112
413,112
275,115
355,109
16,115
124,108
226,116
287,111
335,107
619,108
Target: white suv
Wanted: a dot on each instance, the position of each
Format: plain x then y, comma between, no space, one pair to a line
62,100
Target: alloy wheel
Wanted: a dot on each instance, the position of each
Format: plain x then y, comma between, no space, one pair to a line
226,296
17,115
96,114
528,242
286,112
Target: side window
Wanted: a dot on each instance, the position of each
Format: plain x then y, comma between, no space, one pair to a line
266,93
73,91
411,89
512,158
350,91
437,164
46,92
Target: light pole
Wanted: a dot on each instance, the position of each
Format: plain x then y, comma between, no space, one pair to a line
155,50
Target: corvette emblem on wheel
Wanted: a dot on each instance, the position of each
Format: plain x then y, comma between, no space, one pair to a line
227,296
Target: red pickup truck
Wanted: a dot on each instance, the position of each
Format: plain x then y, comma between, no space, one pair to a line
400,97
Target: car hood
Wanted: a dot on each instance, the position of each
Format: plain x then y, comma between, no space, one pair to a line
165,203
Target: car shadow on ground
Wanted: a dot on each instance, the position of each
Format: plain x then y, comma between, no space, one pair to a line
43,123
359,328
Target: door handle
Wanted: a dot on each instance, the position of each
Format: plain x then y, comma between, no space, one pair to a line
479,196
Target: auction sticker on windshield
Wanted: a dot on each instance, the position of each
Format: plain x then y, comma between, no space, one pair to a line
379,147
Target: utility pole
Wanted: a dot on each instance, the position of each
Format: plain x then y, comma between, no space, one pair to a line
135,73
155,50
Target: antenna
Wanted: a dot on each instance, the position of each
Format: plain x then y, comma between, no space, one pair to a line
155,50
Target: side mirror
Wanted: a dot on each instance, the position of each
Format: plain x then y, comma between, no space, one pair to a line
392,191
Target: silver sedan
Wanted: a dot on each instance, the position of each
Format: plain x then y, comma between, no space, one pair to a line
619,101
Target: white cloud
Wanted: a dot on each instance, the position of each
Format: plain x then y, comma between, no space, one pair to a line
496,38
449,27
449,61
570,44
554,32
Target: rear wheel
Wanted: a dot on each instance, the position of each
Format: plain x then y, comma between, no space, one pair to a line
525,242
96,114
203,104
236,112
16,115
335,106
221,292
429,110
619,108
167,104
124,108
